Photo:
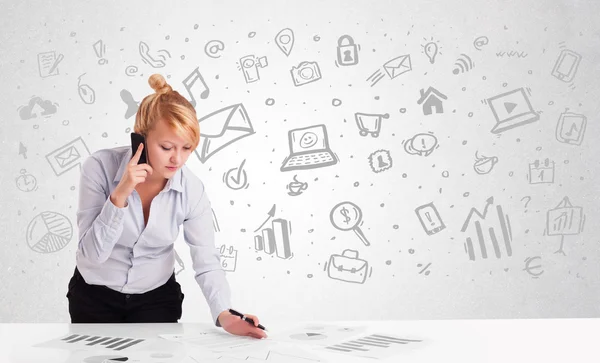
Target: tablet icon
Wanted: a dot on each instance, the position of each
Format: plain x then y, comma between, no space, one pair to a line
570,128
511,109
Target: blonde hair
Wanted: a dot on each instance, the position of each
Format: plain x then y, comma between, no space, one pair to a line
170,106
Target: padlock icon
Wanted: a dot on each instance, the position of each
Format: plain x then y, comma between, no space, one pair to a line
347,51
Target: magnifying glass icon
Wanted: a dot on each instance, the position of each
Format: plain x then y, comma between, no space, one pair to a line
347,216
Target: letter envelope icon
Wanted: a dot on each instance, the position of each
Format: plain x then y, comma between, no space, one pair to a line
221,128
397,66
68,156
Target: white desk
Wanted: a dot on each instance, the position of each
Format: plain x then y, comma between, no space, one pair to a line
537,340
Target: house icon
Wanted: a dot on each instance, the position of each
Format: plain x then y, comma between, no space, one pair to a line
430,99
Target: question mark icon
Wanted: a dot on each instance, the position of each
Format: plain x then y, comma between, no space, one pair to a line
527,202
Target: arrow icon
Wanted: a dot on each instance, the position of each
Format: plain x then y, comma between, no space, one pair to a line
271,215
509,106
22,150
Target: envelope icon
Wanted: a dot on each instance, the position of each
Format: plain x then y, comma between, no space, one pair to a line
67,156
222,128
348,267
398,65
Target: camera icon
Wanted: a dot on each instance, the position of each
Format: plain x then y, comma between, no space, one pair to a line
306,72
249,66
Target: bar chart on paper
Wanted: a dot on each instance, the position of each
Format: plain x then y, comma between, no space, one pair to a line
78,341
376,346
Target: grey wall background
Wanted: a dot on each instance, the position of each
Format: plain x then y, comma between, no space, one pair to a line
65,66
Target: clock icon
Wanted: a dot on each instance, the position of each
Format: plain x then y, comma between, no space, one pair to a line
26,182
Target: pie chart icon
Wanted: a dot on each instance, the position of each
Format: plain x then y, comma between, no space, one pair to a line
49,232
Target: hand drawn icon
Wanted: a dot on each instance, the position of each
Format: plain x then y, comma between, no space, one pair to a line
424,269
154,62
484,164
510,54
380,160
249,66
480,42
49,232
285,40
530,269
195,85
222,128
296,187
48,63
564,219
393,68
22,150
570,128
347,216
511,109
37,106
421,144
431,50
305,73
236,178
309,149
541,173
213,48
86,93
179,263
100,50
347,51
566,65
131,70
490,224
432,98
348,267
463,64
369,123
68,156
430,219
228,258
275,239
132,105
26,182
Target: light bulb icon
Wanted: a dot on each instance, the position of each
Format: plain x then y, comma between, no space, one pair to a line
431,50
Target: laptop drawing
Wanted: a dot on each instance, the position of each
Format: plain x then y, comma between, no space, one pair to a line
309,149
511,109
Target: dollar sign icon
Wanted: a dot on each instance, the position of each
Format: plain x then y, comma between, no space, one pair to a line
345,212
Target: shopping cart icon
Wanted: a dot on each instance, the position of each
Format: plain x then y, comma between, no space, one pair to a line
369,123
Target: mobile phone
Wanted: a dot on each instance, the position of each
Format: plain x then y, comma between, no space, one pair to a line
566,65
430,219
136,140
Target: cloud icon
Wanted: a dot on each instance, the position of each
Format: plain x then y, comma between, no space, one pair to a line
30,111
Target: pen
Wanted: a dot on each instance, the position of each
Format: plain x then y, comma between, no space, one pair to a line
245,318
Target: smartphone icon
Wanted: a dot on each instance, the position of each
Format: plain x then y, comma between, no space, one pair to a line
566,65
136,140
430,219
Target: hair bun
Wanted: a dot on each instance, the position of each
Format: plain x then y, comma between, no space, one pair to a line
158,84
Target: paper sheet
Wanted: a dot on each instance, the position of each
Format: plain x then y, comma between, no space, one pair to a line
376,346
317,334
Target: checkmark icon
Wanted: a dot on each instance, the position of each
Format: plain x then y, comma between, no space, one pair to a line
236,178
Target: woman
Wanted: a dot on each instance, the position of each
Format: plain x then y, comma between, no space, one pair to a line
129,216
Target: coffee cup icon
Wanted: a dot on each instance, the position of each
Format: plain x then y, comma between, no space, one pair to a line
296,187
484,164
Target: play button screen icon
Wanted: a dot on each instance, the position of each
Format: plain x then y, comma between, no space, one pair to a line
511,109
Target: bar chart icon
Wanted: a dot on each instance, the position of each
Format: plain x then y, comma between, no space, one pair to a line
275,239
95,342
376,346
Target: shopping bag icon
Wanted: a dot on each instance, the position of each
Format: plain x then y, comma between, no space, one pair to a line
397,66
564,219
348,267
221,128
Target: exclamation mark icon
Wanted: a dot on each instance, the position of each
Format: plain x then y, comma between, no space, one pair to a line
100,50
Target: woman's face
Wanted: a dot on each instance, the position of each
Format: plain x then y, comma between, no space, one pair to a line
167,151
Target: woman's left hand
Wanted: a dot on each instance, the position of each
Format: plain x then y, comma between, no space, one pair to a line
236,325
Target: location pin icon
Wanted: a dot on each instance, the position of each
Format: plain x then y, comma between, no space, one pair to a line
285,40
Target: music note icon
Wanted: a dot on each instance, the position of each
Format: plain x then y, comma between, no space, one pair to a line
570,128
191,82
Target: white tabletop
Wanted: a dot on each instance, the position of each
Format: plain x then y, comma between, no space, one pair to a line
522,340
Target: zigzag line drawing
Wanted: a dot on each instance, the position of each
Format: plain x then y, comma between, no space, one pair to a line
512,53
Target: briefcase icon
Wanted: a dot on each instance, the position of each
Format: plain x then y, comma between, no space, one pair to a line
221,128
348,267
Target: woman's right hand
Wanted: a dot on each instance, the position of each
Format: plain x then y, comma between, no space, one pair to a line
132,176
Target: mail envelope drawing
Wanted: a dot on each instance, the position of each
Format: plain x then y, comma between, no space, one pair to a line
398,66
348,267
67,156
221,128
